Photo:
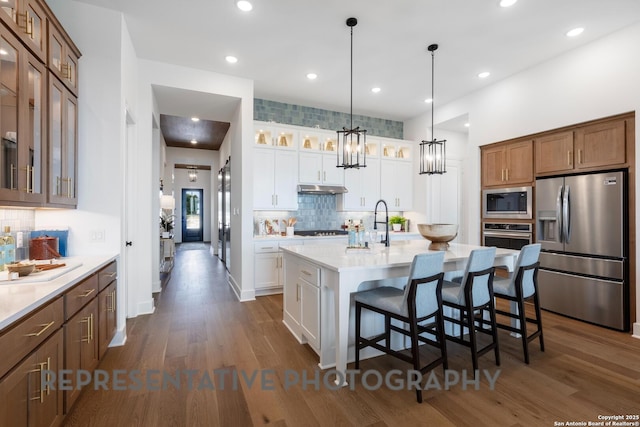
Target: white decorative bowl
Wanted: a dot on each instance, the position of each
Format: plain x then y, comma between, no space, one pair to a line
439,234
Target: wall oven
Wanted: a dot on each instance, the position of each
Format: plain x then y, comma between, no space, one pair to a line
507,203
507,235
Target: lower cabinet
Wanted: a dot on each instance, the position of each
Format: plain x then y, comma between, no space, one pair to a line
81,346
25,402
302,301
107,306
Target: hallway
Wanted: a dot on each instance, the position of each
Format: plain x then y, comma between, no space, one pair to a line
199,325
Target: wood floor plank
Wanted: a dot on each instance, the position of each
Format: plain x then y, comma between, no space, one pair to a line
200,326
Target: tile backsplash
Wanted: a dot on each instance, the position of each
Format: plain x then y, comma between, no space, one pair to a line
317,212
17,219
279,112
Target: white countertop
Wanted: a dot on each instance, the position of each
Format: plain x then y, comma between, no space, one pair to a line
400,253
20,297
392,235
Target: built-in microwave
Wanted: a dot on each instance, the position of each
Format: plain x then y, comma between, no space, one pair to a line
507,203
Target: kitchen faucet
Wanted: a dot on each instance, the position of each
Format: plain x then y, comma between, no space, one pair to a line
386,221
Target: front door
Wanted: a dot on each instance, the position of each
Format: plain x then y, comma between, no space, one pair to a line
192,215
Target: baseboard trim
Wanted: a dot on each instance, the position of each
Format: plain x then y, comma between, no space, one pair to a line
145,307
243,295
119,339
636,330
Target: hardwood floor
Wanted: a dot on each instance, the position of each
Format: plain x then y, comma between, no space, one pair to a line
585,371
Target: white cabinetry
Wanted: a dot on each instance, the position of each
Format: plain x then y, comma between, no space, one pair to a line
267,266
396,184
275,179
268,135
363,187
302,301
319,168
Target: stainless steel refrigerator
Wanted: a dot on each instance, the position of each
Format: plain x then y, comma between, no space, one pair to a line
224,214
582,224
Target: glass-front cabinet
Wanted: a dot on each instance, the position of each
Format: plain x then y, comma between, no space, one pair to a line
28,19
63,59
22,120
63,141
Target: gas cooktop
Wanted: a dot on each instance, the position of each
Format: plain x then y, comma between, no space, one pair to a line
320,232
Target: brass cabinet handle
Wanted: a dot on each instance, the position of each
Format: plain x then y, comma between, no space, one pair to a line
305,272
87,293
111,274
568,158
91,328
324,176
30,23
44,328
318,175
502,175
58,179
39,369
580,156
113,301
86,320
297,291
13,169
506,171
69,181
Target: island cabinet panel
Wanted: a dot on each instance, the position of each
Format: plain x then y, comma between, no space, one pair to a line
601,145
25,402
107,306
302,301
554,153
507,164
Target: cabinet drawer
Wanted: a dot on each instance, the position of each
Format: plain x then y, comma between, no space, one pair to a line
310,273
107,275
78,297
266,247
29,333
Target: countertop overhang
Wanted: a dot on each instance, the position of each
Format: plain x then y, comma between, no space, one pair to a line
18,299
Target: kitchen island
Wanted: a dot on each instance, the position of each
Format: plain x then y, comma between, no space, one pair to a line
319,281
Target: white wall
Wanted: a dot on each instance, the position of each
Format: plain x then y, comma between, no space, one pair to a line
596,80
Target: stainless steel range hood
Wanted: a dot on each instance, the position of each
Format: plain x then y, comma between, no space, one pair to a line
321,189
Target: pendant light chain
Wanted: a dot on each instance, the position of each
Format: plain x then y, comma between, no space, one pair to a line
433,152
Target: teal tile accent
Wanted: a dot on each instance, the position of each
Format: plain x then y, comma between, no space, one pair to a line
298,115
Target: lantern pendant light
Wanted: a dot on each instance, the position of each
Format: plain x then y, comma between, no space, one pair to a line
351,152
433,153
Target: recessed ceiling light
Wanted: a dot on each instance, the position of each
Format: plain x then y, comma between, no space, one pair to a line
231,59
467,125
193,141
244,5
575,32
375,89
3,52
312,76
195,119
484,74
428,100
507,3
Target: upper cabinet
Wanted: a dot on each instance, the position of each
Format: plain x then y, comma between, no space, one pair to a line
507,164
318,159
38,119
28,20
269,135
63,144
63,58
589,147
22,123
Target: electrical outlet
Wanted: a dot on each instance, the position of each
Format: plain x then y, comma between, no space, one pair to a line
97,236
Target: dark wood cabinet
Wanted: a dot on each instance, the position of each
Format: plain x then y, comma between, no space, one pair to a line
107,304
25,402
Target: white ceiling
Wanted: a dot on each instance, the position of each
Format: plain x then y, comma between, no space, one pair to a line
280,41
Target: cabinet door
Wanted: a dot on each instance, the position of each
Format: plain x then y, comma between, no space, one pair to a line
107,300
493,166
63,59
286,180
310,312
352,200
81,346
24,402
331,174
33,160
263,179
520,162
34,33
291,299
267,270
310,168
601,145
9,88
370,185
45,406
554,153
63,113
396,184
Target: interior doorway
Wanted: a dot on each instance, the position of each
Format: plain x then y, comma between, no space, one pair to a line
192,219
